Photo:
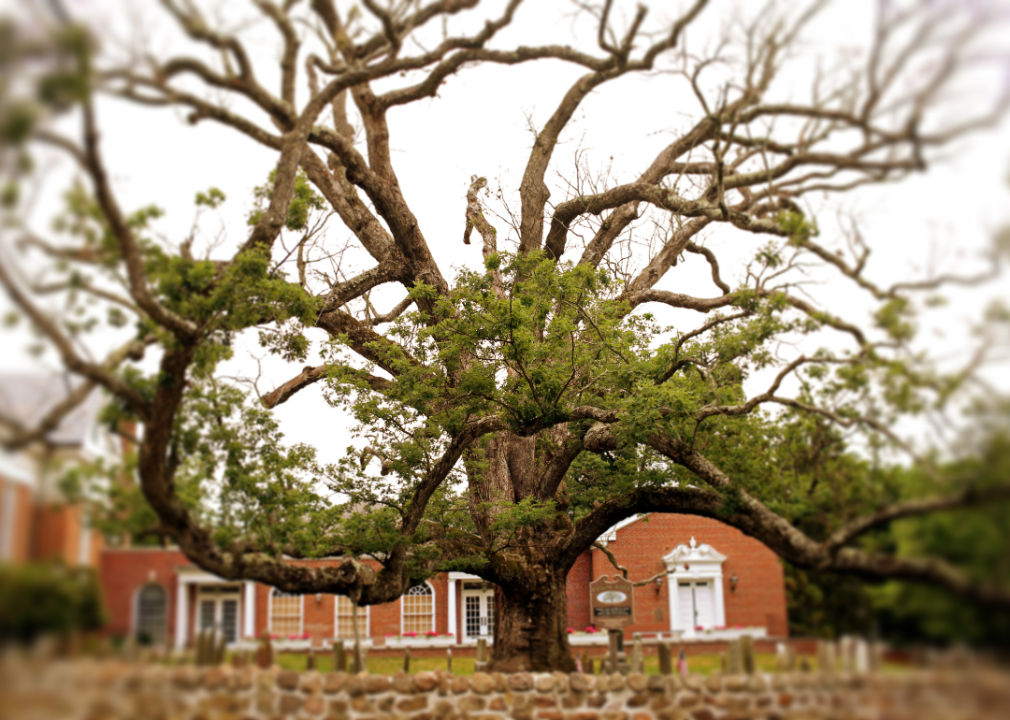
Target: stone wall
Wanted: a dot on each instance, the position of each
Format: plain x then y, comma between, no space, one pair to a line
109,690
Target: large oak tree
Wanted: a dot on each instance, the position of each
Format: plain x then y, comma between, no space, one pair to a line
510,415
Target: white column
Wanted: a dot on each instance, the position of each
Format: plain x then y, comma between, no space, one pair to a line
720,605
249,619
688,622
452,611
671,587
181,613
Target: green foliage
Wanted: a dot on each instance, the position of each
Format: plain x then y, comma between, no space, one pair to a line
43,599
213,198
17,123
975,539
305,201
796,226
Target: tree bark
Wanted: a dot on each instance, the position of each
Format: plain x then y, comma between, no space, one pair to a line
531,623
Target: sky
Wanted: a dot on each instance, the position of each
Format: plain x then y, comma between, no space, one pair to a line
480,123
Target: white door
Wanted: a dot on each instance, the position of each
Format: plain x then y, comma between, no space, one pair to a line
218,609
696,604
478,612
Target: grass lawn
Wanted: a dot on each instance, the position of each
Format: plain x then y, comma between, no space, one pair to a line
703,664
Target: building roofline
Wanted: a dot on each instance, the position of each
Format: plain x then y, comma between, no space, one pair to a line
611,533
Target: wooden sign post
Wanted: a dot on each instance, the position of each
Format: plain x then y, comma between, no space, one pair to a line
612,606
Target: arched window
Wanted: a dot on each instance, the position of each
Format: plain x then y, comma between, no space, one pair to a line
285,613
152,614
418,606
344,625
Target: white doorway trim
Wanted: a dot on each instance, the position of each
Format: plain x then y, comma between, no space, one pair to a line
454,625
484,605
187,576
694,563
218,596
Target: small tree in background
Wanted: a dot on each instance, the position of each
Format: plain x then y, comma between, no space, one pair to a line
510,415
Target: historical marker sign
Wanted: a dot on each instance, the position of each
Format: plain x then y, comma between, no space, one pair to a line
612,602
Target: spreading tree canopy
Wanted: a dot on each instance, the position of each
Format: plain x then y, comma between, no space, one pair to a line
508,414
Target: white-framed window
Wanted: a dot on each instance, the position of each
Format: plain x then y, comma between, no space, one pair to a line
417,609
286,613
151,614
343,621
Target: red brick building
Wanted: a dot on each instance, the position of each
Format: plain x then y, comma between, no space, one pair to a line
36,521
721,579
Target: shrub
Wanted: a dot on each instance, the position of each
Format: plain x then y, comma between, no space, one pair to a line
40,599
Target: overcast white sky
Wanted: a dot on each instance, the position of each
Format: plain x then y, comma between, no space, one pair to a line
479,124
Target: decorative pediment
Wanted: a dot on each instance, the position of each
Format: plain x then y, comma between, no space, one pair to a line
694,554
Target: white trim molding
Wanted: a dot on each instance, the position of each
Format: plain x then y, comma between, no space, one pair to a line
696,563
454,625
249,629
186,576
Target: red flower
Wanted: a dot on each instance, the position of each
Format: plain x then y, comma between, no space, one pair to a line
590,629
570,630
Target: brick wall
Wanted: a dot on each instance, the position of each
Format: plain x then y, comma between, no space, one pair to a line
20,548
759,598
577,590
124,572
57,532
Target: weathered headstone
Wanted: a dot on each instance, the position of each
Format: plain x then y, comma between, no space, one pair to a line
480,665
861,656
747,654
637,655
826,656
735,664
265,653
877,651
781,660
448,660
310,661
665,659
846,661
339,657
406,660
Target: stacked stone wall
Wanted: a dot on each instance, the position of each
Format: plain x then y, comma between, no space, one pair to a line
110,690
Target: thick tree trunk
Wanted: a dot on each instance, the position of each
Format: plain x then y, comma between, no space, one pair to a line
531,626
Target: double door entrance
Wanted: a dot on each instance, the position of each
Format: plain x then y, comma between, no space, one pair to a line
218,609
696,600
478,611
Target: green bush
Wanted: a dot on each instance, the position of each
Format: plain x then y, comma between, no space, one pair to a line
41,599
